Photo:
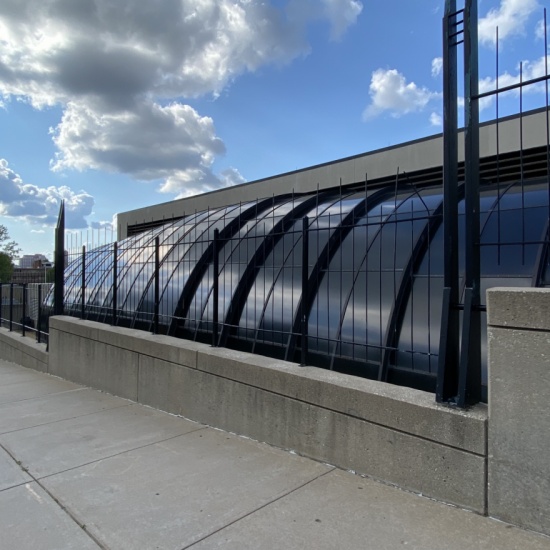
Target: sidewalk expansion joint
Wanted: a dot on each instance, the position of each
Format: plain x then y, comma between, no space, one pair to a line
120,453
64,419
289,492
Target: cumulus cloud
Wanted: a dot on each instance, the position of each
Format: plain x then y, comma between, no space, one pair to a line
390,92
437,66
510,17
529,71
150,142
122,70
40,205
436,120
341,15
540,30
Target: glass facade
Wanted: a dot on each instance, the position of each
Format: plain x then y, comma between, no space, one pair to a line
346,279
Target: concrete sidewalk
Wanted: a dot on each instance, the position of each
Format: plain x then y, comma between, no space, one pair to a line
82,469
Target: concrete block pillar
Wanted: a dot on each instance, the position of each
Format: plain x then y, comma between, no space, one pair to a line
519,406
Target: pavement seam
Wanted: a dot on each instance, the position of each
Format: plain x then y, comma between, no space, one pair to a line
118,454
289,492
63,508
39,396
64,419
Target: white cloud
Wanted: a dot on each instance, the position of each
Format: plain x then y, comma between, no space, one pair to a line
40,205
530,71
341,14
540,30
436,120
187,185
113,67
172,143
437,66
390,91
510,17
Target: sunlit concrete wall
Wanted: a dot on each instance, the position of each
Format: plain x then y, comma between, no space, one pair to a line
519,406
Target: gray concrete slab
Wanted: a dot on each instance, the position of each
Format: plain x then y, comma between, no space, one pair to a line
53,408
344,511
58,446
174,493
125,476
11,473
31,520
32,388
10,373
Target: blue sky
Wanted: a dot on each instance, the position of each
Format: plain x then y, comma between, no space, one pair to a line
117,104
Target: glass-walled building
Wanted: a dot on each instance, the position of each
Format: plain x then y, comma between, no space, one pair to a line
346,276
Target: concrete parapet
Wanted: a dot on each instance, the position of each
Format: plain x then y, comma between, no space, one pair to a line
399,408
23,351
395,434
519,406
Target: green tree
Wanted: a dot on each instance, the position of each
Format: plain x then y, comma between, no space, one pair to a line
6,268
7,246
50,275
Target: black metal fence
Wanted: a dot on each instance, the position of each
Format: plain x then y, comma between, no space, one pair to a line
23,310
325,279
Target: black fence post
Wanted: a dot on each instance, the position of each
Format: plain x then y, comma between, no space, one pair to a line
215,287
305,282
449,345
115,276
24,316
83,284
59,266
469,381
157,287
38,323
1,305
11,307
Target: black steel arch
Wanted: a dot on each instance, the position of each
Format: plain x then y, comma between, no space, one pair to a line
397,314
328,252
378,235
247,280
200,269
209,221
326,205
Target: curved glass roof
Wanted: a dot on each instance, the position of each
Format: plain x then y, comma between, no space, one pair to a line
363,297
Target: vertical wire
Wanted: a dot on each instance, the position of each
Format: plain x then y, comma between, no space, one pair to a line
317,275
366,270
341,289
498,150
394,243
547,119
521,164
353,235
411,277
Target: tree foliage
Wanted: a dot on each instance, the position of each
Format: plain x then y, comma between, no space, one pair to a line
7,246
6,268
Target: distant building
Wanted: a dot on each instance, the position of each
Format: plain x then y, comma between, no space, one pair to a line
23,275
29,261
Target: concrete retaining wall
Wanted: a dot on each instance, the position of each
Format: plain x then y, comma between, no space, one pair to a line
394,434
23,350
519,406
497,465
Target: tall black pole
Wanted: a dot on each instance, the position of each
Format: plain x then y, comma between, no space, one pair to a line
59,256
449,351
469,386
